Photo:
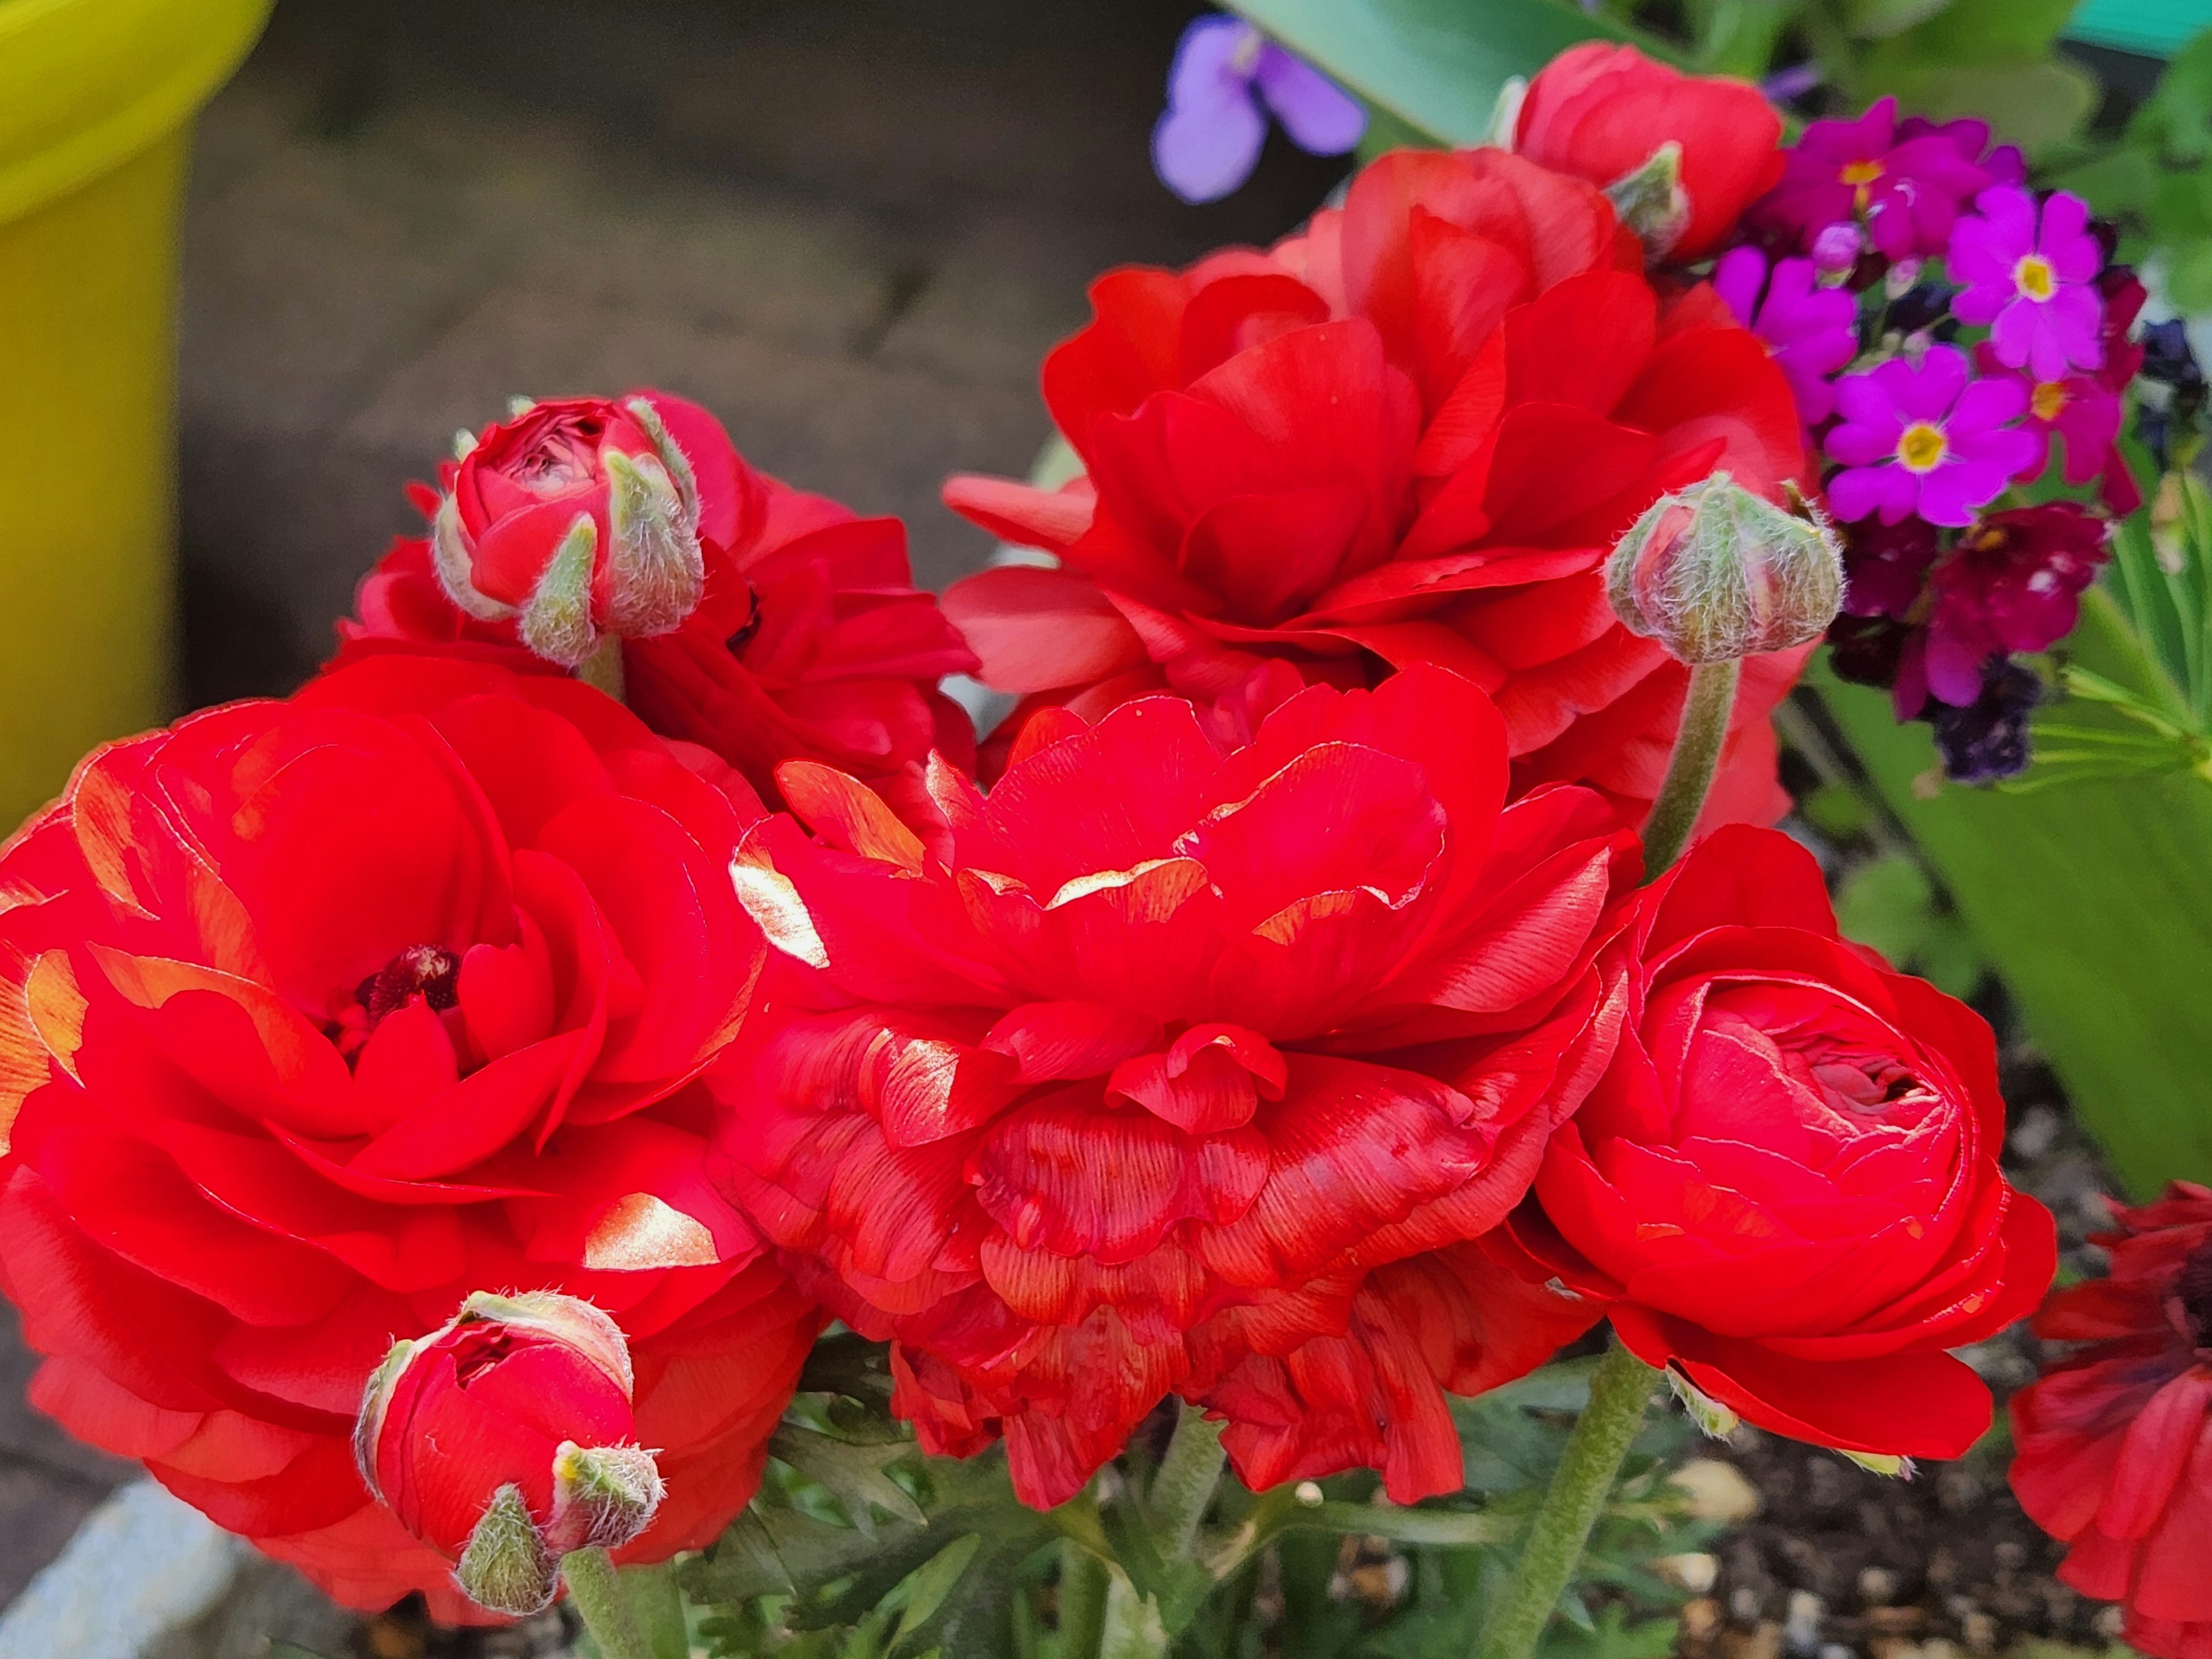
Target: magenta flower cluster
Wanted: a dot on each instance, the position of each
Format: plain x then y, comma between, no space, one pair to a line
1883,240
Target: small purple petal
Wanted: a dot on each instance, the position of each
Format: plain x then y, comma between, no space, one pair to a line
1214,61
1202,155
2012,335
1793,82
1954,669
1321,117
1950,494
1861,490
1928,393
1738,276
1987,405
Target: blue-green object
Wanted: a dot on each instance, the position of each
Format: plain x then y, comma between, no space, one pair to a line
2153,28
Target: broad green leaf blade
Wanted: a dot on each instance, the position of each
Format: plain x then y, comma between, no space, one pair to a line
1438,65
2093,900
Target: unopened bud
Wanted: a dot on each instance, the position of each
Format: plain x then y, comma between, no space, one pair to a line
1651,201
505,1440
1714,573
505,1565
574,519
603,1496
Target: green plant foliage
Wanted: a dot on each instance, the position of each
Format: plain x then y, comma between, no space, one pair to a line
859,1547
1437,65
1889,902
2091,893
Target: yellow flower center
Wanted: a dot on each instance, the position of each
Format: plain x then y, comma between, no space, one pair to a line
2047,399
2034,278
1922,446
1859,175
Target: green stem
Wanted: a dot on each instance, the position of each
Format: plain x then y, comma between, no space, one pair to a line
1705,727
596,1590
1133,1625
1620,1389
659,1606
603,667
1083,1581
1183,1488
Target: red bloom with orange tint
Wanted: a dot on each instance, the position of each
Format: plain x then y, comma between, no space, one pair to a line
1410,434
809,640
316,1016
2114,1445
1787,1182
1129,1075
1600,112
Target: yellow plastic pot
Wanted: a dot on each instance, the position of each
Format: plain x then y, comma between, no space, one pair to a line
96,102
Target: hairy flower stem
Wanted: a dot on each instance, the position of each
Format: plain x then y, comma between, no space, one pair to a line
1183,1488
1620,1389
1132,1628
1083,1581
600,1598
1705,713
603,667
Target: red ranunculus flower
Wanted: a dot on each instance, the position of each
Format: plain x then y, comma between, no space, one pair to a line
2114,1445
1410,434
809,639
317,1016
1134,1070
1600,112
1788,1179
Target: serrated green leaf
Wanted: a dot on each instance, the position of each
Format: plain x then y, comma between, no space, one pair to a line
924,1591
1438,65
853,1472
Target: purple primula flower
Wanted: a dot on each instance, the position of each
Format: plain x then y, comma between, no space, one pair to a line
1906,184
1810,331
1208,141
1837,247
2033,285
1931,441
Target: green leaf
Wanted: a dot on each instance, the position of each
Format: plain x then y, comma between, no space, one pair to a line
2093,900
2032,102
1877,20
1438,65
853,1473
1888,903
924,1591
1985,30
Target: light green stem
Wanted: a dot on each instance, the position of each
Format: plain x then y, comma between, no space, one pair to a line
1621,1390
659,1606
1690,769
596,1590
1133,1625
603,667
1183,1488
1083,1581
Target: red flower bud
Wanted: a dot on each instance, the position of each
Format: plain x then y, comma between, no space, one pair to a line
1605,113
1715,572
505,1440
576,518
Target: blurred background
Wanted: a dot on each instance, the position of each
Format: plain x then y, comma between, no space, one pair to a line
851,228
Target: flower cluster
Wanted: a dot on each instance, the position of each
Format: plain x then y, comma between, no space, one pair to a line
1959,345
623,943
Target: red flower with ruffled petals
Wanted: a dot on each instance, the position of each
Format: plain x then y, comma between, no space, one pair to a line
1132,1073
2114,1445
1788,1179
320,1015
810,640
1410,434
1600,112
